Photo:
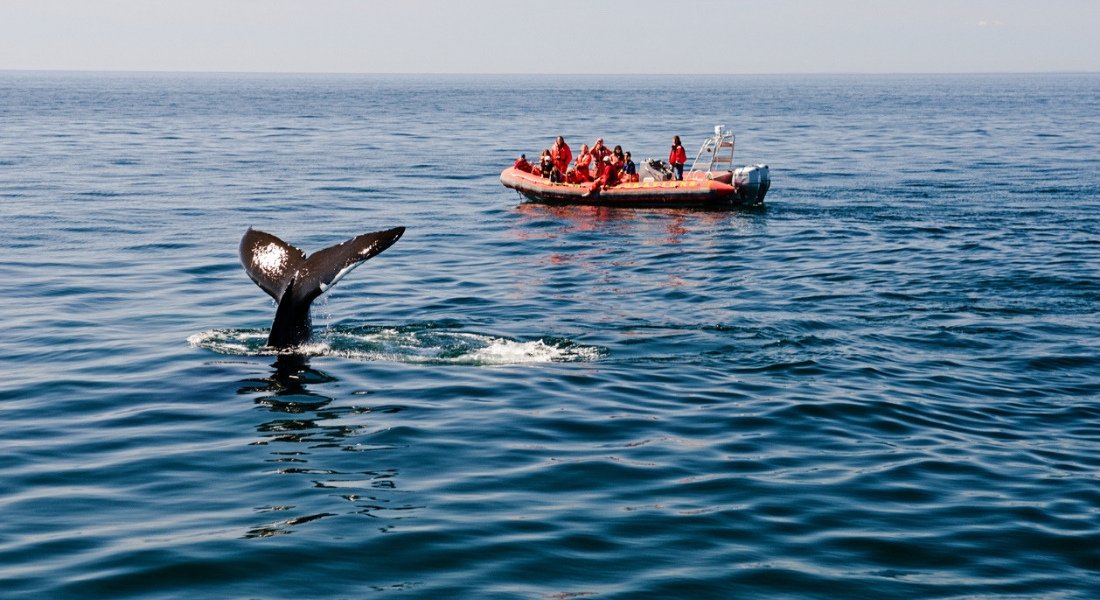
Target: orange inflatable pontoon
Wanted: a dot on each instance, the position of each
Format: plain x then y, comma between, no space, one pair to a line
688,193
711,182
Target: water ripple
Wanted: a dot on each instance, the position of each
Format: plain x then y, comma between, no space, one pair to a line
882,384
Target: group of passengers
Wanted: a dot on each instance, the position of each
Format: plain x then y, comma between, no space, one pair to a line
598,166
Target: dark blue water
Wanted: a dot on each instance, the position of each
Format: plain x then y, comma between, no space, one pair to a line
885,384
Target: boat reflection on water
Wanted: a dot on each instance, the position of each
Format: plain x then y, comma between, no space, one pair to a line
614,248
624,250
675,223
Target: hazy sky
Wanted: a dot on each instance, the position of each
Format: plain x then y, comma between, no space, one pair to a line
552,36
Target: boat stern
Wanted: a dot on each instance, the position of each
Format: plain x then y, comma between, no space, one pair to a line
752,183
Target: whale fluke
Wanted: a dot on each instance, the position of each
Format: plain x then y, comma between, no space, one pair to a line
295,280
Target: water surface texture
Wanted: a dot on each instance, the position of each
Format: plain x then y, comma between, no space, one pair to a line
884,384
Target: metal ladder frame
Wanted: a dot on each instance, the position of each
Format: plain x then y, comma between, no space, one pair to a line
715,146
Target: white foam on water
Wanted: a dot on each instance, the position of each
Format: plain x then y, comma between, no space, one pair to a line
508,352
424,346
235,342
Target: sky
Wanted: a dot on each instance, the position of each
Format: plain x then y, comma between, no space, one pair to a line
552,36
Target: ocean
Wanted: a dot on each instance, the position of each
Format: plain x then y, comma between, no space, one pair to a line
883,384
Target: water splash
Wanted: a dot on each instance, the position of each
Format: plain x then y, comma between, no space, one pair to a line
406,344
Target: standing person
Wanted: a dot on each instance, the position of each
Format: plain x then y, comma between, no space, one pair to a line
561,154
677,157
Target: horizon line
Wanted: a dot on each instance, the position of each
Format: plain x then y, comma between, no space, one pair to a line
540,74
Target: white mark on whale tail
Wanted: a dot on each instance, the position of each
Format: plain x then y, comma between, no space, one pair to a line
270,259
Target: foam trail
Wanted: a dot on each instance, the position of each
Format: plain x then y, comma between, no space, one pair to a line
407,345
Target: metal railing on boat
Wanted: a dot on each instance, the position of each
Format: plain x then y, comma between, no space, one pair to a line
716,154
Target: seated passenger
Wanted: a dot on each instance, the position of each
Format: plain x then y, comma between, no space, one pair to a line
546,164
599,151
522,164
583,170
617,158
630,170
607,175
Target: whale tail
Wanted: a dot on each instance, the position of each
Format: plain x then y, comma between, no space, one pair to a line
295,280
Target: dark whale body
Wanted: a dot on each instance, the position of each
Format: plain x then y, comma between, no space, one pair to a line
295,280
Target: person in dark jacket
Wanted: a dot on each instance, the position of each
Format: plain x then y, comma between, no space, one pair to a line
630,170
546,163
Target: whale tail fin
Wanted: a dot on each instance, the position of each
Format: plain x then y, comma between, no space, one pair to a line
295,280
324,268
270,262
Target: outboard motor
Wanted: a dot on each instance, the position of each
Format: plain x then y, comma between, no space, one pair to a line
653,169
752,183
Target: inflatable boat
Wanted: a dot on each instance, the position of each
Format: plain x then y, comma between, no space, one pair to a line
707,184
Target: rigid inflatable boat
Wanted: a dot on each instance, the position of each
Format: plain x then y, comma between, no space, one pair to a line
711,182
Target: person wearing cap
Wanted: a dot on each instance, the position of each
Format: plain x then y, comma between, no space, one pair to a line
607,175
600,179
546,163
611,174
522,164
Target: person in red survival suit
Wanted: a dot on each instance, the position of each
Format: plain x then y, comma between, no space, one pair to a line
582,172
599,151
522,164
607,175
677,157
561,154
